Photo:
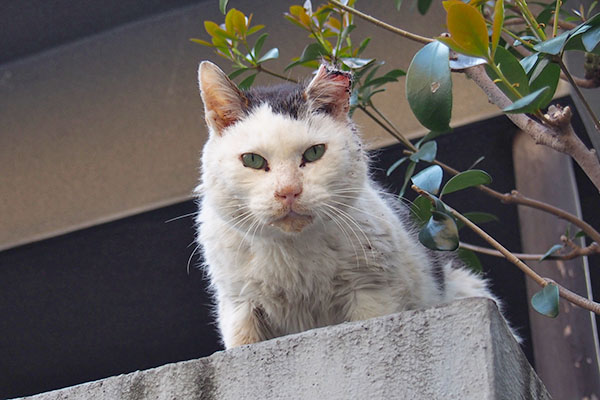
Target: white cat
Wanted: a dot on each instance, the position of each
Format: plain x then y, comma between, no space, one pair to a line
294,232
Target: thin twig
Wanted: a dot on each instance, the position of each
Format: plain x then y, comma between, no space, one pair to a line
381,24
381,124
403,139
515,197
593,248
587,106
582,82
260,68
556,14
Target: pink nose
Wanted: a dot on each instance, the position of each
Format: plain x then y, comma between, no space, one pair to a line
288,194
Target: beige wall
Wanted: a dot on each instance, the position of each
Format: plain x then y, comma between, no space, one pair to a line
112,125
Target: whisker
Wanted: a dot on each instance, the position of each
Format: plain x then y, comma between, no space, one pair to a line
182,216
345,218
192,256
359,210
333,218
252,225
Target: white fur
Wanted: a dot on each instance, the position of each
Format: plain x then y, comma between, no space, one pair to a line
356,260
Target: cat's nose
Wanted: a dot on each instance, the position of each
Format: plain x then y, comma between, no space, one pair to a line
288,194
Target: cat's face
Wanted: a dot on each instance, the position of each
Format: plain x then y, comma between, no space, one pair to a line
272,171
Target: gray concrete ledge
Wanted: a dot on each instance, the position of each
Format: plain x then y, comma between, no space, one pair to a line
462,350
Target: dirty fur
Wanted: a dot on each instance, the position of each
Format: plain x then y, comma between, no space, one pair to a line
299,244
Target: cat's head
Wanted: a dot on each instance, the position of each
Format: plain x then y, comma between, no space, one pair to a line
280,160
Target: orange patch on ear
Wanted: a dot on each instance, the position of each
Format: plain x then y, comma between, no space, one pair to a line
224,103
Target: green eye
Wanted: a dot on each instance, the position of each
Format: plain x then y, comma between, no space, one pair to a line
252,160
313,153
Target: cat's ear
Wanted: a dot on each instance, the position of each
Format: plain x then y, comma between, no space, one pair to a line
224,103
329,92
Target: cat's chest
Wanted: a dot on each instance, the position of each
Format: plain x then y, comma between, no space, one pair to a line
295,264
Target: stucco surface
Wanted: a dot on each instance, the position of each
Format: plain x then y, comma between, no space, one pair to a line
462,350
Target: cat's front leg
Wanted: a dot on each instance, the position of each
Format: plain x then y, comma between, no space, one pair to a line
243,323
367,304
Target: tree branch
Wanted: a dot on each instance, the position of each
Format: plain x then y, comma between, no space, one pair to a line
593,248
515,197
558,136
543,282
582,82
381,24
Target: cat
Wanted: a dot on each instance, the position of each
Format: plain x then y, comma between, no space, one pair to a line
294,232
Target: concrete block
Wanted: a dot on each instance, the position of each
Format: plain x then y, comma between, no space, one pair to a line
461,350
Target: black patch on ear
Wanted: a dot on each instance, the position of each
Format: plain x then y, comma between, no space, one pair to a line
286,99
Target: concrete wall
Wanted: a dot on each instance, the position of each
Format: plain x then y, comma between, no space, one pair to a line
112,124
458,351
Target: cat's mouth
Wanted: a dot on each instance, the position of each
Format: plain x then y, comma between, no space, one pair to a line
292,222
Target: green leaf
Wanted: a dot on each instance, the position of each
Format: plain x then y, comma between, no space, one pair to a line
254,29
465,179
356,63
202,42
463,62
423,6
237,73
580,234
468,29
431,135
529,62
410,170
239,21
497,25
544,16
429,179
247,82
259,44
429,87
421,210
395,165
440,232
546,301
574,39
551,251
212,28
395,73
470,259
477,217
345,32
391,76
270,55
398,3
310,53
512,70
591,38
545,74
363,45
427,152
553,46
223,6
529,103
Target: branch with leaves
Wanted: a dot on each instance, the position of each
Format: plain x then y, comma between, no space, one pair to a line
514,55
